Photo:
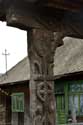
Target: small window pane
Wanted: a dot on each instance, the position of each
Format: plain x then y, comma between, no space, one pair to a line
70,102
73,104
81,104
76,107
59,88
74,87
81,87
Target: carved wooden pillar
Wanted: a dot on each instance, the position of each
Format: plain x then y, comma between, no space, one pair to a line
41,47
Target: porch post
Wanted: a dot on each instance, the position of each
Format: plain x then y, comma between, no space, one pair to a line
41,48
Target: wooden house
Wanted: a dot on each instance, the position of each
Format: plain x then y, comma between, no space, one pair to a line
14,95
69,86
68,75
69,98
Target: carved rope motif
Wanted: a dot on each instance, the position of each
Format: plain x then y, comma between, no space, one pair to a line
41,90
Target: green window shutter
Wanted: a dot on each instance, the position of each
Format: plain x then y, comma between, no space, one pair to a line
17,102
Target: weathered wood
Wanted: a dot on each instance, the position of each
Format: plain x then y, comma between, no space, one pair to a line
73,5
41,20
51,14
42,45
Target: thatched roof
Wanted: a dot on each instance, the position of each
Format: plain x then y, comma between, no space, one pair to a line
68,59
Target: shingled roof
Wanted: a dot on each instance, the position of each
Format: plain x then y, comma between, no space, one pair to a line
19,72
68,59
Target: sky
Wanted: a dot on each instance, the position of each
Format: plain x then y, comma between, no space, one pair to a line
15,42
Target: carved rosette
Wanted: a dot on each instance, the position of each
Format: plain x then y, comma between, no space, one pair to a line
41,47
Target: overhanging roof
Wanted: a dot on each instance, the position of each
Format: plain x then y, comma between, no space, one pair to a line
20,72
72,5
70,76
56,15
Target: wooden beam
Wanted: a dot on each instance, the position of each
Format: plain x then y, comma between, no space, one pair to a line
65,5
48,14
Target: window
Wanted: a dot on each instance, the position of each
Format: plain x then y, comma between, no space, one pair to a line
76,87
73,104
17,102
59,88
76,98
59,93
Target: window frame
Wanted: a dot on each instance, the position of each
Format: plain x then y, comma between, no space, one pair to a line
15,102
76,93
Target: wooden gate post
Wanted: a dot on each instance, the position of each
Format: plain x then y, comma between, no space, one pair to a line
41,47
